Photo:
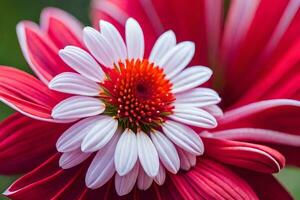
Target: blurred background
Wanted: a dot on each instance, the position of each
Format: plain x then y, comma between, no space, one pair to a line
12,11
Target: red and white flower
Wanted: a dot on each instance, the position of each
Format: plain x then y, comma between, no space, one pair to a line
136,110
257,135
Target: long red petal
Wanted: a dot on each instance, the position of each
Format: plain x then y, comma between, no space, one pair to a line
246,155
26,94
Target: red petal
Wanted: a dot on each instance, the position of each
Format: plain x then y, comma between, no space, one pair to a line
276,114
246,155
210,180
198,21
39,51
62,28
27,94
25,143
48,181
265,186
265,46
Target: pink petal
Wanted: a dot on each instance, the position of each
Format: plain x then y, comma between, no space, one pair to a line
39,51
26,94
62,28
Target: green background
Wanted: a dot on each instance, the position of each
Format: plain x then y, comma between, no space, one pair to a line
12,11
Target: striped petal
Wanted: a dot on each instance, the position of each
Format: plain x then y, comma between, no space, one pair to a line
77,107
184,137
102,167
99,134
73,83
82,62
190,78
126,153
134,39
147,154
166,151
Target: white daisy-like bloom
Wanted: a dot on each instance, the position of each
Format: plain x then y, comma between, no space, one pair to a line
134,115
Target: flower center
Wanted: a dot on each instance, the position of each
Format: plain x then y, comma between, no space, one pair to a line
138,94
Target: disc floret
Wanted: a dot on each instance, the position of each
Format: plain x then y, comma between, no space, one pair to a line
138,94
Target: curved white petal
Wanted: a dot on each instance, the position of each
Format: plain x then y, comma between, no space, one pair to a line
124,184
143,181
163,44
184,137
82,62
126,153
115,39
187,160
148,155
190,78
193,116
214,110
197,97
99,134
77,107
102,167
73,83
71,139
99,47
70,159
161,176
166,151
177,58
134,39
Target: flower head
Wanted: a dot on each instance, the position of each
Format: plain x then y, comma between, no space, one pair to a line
134,111
105,149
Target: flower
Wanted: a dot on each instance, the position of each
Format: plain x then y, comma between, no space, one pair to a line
133,112
257,132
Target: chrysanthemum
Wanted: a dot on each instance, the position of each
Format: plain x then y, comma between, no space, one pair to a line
84,69
134,113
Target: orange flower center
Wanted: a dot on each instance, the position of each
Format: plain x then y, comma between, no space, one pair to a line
138,94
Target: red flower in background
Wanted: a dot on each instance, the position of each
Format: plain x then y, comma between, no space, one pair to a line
255,59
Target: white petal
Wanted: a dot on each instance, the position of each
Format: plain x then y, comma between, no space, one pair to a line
99,46
144,181
193,116
148,155
73,83
73,158
177,58
116,41
99,134
71,139
166,151
161,176
82,62
124,184
214,110
102,167
187,160
134,39
126,153
197,97
184,137
190,78
77,107
162,45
